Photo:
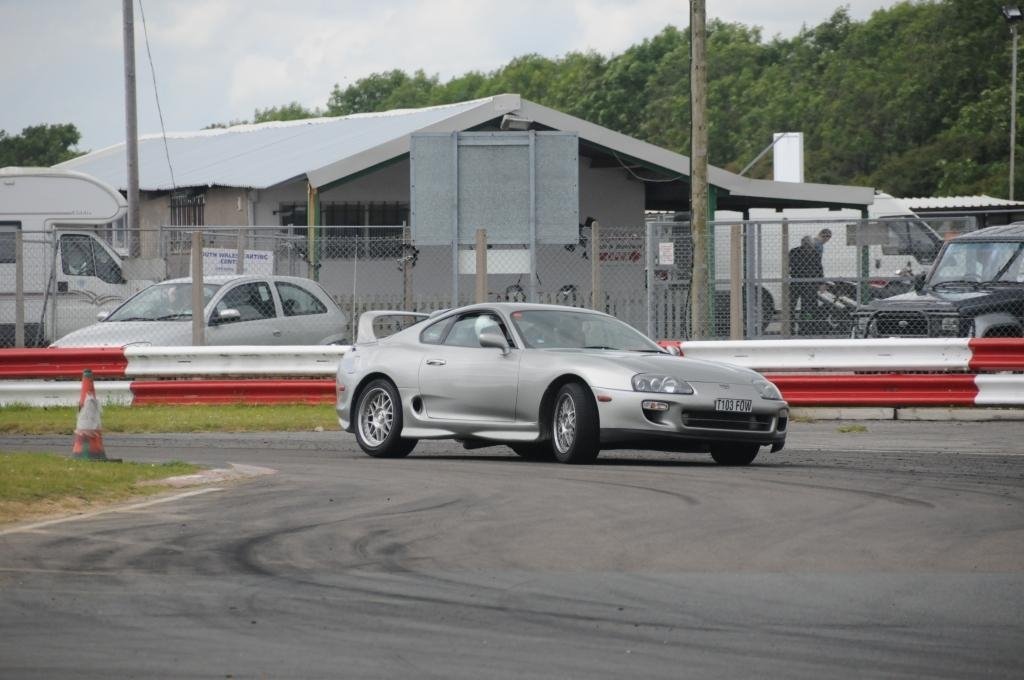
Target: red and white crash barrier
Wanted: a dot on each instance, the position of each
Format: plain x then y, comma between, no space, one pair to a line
960,372
902,389
883,354
166,362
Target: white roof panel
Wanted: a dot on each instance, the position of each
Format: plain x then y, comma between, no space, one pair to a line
952,202
263,155
329,150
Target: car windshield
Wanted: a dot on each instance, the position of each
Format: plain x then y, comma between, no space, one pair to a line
162,302
980,263
546,329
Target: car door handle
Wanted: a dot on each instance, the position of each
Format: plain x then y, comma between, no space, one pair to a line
436,362
276,334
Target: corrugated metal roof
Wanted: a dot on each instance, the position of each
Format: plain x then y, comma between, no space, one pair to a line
952,202
263,155
328,150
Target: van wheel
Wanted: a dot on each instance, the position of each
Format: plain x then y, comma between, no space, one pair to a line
379,422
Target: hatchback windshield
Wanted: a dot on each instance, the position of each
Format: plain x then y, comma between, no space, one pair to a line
162,302
545,329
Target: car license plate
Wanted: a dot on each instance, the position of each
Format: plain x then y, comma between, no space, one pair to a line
734,405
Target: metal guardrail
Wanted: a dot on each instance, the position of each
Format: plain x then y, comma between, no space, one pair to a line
913,372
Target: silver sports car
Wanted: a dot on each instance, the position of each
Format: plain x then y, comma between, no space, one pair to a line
549,382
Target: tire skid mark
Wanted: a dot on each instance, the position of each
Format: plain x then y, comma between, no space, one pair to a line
874,495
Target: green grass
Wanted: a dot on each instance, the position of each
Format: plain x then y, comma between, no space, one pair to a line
41,483
172,418
852,428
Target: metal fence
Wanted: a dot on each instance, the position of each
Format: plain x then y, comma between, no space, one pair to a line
769,278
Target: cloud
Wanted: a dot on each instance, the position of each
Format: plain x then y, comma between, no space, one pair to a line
218,60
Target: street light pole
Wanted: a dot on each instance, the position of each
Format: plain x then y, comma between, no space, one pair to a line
1013,16
1013,105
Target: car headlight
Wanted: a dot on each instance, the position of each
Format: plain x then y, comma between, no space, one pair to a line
767,390
646,382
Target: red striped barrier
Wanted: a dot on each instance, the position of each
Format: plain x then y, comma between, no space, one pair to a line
892,389
233,391
62,362
996,354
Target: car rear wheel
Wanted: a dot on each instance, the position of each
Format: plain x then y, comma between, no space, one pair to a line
575,431
734,454
379,422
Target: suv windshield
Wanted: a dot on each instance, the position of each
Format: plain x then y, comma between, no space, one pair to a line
980,262
546,329
162,302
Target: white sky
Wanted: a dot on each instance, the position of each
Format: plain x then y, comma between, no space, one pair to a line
61,61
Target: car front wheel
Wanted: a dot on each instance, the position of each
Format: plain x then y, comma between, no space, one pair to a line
575,431
379,422
734,454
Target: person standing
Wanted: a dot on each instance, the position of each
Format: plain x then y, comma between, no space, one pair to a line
806,277
823,237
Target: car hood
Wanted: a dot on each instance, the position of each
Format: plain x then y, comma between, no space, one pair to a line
951,300
691,370
121,333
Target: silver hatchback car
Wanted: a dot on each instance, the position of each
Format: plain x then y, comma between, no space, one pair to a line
238,310
550,382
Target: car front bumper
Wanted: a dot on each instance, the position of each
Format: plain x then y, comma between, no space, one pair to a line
689,422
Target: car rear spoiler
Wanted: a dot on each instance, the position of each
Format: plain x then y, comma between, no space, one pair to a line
370,326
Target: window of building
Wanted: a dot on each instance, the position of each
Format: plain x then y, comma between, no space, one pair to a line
188,208
355,229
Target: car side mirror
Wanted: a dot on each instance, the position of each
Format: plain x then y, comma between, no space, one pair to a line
491,337
226,316
102,315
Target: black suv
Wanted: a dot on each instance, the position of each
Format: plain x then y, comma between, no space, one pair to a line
974,289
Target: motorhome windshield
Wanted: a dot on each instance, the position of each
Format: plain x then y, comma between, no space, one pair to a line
980,262
162,302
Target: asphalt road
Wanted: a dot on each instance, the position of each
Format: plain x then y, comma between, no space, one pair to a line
896,552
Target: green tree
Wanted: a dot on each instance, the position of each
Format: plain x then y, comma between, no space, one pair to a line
292,111
40,145
380,92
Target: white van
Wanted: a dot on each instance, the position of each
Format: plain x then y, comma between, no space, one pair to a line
70,274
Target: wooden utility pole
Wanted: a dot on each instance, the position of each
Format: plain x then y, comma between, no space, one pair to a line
131,129
698,170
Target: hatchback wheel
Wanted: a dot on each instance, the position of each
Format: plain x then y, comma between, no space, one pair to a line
379,422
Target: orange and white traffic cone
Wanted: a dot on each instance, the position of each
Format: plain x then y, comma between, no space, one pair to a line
88,442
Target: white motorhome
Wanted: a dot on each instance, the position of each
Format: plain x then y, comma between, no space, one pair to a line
69,273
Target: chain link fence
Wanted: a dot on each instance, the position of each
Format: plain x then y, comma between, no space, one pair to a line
768,278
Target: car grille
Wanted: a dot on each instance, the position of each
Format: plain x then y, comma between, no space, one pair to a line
911,324
717,420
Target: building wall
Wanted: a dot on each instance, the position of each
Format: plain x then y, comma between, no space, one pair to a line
388,184
226,206
609,195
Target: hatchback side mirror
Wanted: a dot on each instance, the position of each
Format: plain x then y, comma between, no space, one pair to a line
102,315
225,316
491,337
